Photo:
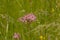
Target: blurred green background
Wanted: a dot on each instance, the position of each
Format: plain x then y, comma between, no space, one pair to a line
47,23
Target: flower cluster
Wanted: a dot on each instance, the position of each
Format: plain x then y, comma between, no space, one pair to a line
16,36
28,18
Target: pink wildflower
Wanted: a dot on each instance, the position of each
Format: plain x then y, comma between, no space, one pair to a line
28,18
31,17
16,36
23,19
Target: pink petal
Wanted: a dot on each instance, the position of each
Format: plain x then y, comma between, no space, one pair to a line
16,35
28,17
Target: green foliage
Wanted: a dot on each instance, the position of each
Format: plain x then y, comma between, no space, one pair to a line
47,23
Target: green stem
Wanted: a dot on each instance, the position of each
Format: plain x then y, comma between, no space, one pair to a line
28,28
7,31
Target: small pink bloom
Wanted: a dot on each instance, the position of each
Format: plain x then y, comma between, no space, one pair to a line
31,17
23,19
28,18
16,36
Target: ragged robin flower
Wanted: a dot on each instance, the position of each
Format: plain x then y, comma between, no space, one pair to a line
27,18
16,36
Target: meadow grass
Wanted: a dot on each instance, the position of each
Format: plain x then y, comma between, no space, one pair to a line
46,26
